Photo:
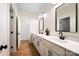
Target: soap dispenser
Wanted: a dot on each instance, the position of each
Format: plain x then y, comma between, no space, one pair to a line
47,31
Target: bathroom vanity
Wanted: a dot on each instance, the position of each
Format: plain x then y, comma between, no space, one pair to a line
53,46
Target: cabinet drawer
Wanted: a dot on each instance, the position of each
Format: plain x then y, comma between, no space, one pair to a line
58,50
46,43
45,50
40,39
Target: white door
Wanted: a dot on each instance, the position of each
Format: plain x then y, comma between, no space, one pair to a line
4,28
11,30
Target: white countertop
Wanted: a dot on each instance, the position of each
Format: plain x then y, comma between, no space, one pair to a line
67,44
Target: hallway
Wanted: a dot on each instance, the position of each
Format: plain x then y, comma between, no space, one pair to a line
26,49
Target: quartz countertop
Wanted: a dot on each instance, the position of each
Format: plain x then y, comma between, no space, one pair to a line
67,44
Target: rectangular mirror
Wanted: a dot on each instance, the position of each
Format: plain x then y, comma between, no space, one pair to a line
66,17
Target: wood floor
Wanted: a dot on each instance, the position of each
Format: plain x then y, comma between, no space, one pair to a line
26,49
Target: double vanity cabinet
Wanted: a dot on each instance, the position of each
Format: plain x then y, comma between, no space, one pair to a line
48,48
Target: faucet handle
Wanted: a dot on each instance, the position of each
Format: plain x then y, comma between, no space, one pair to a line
60,32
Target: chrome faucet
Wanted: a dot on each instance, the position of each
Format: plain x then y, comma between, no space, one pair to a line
61,36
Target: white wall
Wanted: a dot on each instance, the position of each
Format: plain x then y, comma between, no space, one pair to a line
4,27
28,25
34,26
50,24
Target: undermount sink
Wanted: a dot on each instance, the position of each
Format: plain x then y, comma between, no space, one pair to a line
57,39
60,40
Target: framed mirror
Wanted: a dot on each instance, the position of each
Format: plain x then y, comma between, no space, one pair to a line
66,18
41,25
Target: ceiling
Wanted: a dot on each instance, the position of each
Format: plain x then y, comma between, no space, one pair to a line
36,8
33,7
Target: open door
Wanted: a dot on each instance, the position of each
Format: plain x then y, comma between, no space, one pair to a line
14,31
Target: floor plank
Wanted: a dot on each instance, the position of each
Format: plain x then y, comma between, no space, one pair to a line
26,49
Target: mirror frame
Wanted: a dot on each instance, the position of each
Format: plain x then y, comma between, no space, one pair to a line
76,7
41,22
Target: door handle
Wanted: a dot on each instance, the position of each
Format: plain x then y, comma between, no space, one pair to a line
3,47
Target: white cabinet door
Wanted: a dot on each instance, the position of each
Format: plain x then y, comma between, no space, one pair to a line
45,50
46,43
32,38
58,50
35,41
41,48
